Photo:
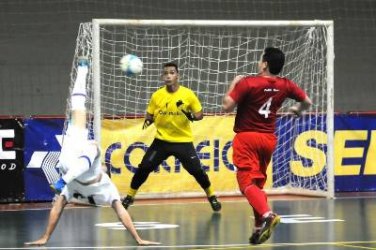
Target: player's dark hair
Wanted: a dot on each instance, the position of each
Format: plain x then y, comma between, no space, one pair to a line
171,64
275,59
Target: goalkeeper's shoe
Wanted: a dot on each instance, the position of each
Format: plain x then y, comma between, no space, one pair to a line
215,204
127,201
83,61
267,227
58,186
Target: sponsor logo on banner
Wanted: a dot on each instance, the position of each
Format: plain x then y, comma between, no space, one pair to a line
42,148
124,144
11,159
355,153
7,154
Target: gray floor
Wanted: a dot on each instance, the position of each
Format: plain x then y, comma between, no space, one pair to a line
342,223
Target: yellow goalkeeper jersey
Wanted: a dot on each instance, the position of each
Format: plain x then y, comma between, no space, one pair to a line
172,125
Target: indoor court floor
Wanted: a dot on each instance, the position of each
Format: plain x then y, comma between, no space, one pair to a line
309,224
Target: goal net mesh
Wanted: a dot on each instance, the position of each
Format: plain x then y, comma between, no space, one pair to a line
209,57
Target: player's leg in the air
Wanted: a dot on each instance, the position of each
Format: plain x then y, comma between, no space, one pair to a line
75,140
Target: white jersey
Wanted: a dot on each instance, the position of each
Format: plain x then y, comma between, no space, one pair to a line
77,148
103,192
77,151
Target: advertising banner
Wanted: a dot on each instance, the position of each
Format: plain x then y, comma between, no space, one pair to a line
299,159
355,153
124,144
42,148
11,160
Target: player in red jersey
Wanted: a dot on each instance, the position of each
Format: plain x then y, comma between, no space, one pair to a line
258,98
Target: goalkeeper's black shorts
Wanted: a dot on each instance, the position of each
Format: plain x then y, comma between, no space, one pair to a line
185,152
160,150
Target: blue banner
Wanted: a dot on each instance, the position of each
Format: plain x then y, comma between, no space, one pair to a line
355,153
301,158
42,149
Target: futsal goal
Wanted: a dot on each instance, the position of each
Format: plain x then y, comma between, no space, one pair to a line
209,54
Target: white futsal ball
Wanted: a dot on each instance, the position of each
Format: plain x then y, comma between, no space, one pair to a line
131,65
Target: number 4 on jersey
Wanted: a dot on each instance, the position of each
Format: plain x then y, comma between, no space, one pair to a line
265,108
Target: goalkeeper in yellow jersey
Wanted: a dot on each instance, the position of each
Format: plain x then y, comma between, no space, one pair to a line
171,109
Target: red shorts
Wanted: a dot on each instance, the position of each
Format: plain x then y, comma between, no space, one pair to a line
252,152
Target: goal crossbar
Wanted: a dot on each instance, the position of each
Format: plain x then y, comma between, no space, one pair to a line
235,23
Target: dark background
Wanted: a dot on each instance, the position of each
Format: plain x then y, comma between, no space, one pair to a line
38,37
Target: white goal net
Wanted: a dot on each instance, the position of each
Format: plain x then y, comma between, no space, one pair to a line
209,55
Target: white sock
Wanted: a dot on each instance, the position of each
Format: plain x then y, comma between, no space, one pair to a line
266,214
78,97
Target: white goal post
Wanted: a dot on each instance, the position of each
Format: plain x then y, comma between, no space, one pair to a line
209,54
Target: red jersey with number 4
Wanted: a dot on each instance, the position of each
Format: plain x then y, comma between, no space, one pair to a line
259,98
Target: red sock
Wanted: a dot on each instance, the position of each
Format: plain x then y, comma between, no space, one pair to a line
257,199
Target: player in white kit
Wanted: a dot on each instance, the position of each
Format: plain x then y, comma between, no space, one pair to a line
80,166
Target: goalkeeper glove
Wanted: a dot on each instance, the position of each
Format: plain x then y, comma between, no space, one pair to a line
147,123
190,116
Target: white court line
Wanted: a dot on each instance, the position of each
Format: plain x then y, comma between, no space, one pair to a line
132,247
201,246
14,209
41,209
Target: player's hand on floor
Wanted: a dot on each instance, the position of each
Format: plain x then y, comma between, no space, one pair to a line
39,242
148,243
